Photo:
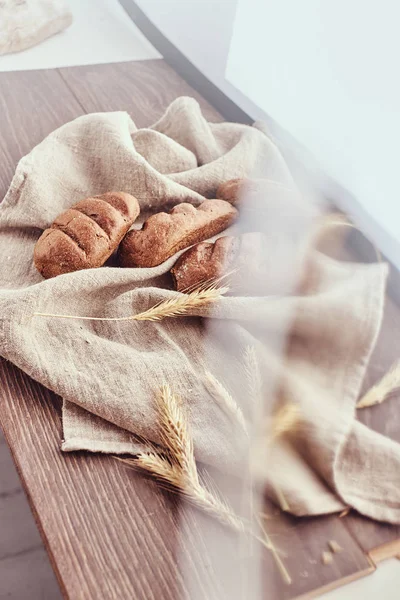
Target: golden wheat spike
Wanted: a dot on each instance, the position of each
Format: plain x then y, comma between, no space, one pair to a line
380,390
173,307
253,376
175,432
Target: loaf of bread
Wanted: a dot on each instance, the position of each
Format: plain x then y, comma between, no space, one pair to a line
85,235
163,234
252,264
204,263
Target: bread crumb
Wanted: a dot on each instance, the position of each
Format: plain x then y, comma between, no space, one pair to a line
327,558
335,547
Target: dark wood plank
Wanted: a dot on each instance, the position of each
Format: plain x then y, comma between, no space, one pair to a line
111,533
127,529
304,541
144,89
32,104
127,83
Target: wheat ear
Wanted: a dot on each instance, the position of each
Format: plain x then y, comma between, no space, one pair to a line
225,400
172,478
173,307
178,473
253,375
380,390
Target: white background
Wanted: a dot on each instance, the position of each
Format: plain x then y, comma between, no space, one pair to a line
327,71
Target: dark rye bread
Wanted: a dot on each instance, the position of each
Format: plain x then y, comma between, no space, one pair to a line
85,235
163,234
204,262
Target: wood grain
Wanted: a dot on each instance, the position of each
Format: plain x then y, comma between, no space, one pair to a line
111,533
32,104
144,89
304,540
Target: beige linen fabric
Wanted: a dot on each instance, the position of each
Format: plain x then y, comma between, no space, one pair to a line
107,373
25,23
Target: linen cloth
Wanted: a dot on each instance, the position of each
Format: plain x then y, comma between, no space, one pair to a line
107,373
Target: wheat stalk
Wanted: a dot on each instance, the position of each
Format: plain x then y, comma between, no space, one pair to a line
173,307
178,473
178,481
284,572
380,390
174,433
225,400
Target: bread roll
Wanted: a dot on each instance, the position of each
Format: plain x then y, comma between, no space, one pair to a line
251,263
204,262
85,235
163,234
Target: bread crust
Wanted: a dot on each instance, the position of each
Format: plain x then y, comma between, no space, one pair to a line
204,263
164,234
85,235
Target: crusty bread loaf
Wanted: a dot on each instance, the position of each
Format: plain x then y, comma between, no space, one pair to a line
251,263
86,234
231,190
204,262
163,234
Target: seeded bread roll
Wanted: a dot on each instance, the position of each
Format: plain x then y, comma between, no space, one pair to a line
204,262
86,234
163,234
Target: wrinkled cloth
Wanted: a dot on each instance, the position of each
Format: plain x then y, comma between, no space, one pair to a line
108,373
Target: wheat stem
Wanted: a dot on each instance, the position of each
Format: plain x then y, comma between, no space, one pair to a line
173,307
283,570
253,377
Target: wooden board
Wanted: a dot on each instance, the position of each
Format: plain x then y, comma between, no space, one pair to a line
109,532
